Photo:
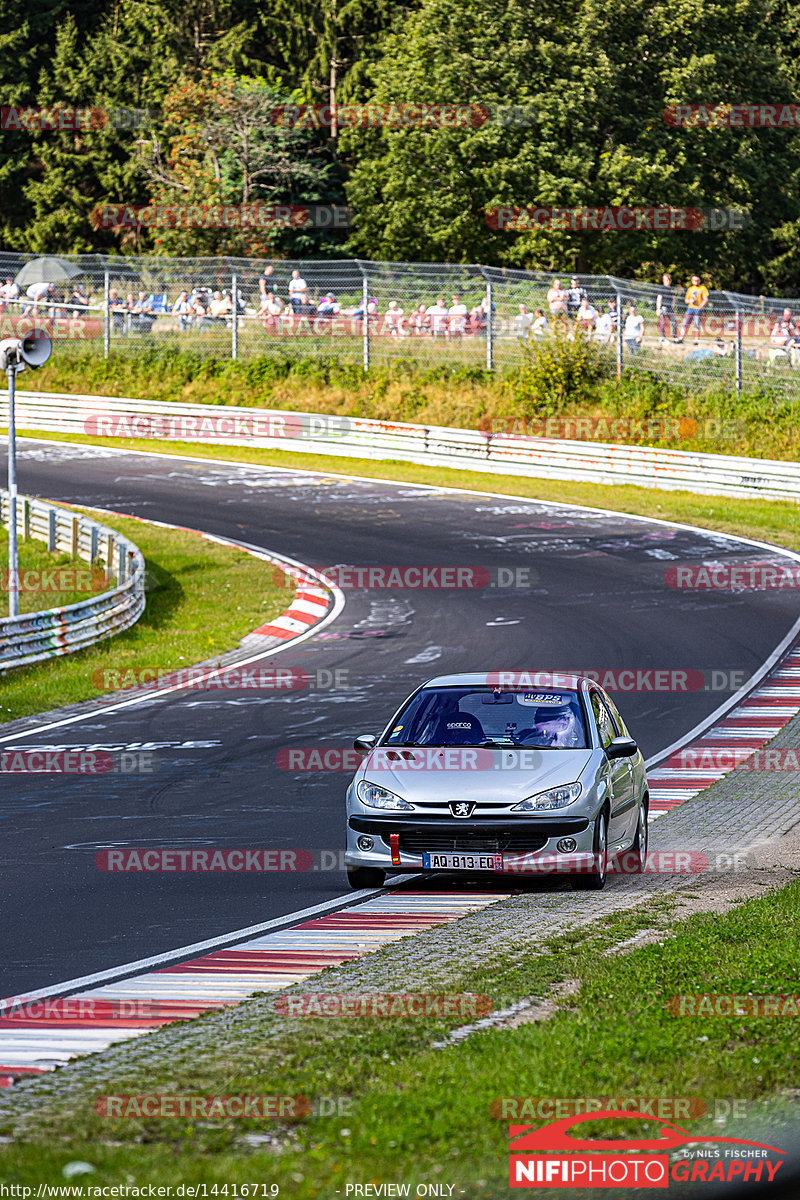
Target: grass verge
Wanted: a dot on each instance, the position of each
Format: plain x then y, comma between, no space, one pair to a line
190,616
421,1114
45,577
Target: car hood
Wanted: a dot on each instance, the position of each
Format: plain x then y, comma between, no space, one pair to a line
499,776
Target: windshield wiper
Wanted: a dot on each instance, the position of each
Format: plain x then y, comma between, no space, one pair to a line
504,742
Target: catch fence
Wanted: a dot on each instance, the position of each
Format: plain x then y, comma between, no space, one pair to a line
373,314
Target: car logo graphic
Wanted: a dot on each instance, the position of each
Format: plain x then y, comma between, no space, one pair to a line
462,808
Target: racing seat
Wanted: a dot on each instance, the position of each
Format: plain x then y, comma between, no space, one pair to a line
458,729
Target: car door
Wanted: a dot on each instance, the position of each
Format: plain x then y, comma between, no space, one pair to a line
636,769
622,799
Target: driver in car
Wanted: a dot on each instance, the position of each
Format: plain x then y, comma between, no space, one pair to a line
557,726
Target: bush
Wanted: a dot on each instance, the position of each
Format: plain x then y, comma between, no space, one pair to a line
564,367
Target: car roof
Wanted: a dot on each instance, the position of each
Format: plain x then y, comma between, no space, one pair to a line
511,680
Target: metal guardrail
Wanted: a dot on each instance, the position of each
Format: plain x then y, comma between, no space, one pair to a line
35,636
360,437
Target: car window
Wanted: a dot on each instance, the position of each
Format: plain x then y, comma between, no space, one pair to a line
622,728
605,722
459,716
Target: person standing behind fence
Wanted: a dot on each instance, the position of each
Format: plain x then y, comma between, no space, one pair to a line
438,318
696,300
557,299
575,297
297,291
634,330
665,310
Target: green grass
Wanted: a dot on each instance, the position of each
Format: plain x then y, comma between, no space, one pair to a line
688,407
202,598
422,1114
38,588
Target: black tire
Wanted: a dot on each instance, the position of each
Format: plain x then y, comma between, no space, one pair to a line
596,880
365,877
637,855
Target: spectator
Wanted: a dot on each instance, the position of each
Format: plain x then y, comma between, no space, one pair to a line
437,314
606,324
523,323
457,318
420,322
183,310
143,316
634,330
696,300
575,297
665,309
328,306
298,292
270,310
118,310
794,344
220,310
265,282
539,326
36,293
781,331
557,299
391,321
586,315
479,317
199,302
10,290
79,301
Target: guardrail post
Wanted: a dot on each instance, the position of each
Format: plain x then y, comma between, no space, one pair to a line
94,545
26,520
110,555
106,313
365,317
489,326
75,538
52,532
235,323
122,564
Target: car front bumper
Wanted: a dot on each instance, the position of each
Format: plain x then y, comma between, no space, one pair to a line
527,846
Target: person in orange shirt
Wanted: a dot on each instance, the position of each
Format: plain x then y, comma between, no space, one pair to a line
696,300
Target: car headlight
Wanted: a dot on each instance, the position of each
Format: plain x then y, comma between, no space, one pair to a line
558,797
379,797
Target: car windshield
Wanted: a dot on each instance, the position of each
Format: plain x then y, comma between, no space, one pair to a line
480,716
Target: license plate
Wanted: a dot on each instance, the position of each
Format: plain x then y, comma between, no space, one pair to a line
462,862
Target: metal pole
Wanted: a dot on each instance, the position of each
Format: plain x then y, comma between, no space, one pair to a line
489,327
235,326
364,304
619,338
13,561
738,355
107,314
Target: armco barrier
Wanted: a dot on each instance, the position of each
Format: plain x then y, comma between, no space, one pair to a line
359,437
36,636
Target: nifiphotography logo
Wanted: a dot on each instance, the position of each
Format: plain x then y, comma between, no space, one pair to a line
643,1163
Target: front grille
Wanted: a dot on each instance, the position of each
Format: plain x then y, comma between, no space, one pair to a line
512,841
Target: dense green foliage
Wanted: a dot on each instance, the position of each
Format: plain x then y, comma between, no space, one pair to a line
598,77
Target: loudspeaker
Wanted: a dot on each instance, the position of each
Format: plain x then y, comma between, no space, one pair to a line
33,350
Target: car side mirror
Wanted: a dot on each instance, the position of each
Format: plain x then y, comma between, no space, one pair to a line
365,742
622,747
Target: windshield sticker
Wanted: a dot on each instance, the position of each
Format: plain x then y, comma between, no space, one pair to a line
539,698
397,728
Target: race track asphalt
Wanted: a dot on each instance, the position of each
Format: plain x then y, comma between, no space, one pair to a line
587,592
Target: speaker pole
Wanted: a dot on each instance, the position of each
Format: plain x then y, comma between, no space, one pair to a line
13,562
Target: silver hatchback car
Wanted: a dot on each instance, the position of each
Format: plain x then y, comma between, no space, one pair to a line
498,773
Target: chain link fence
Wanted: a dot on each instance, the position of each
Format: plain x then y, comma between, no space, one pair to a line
373,314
